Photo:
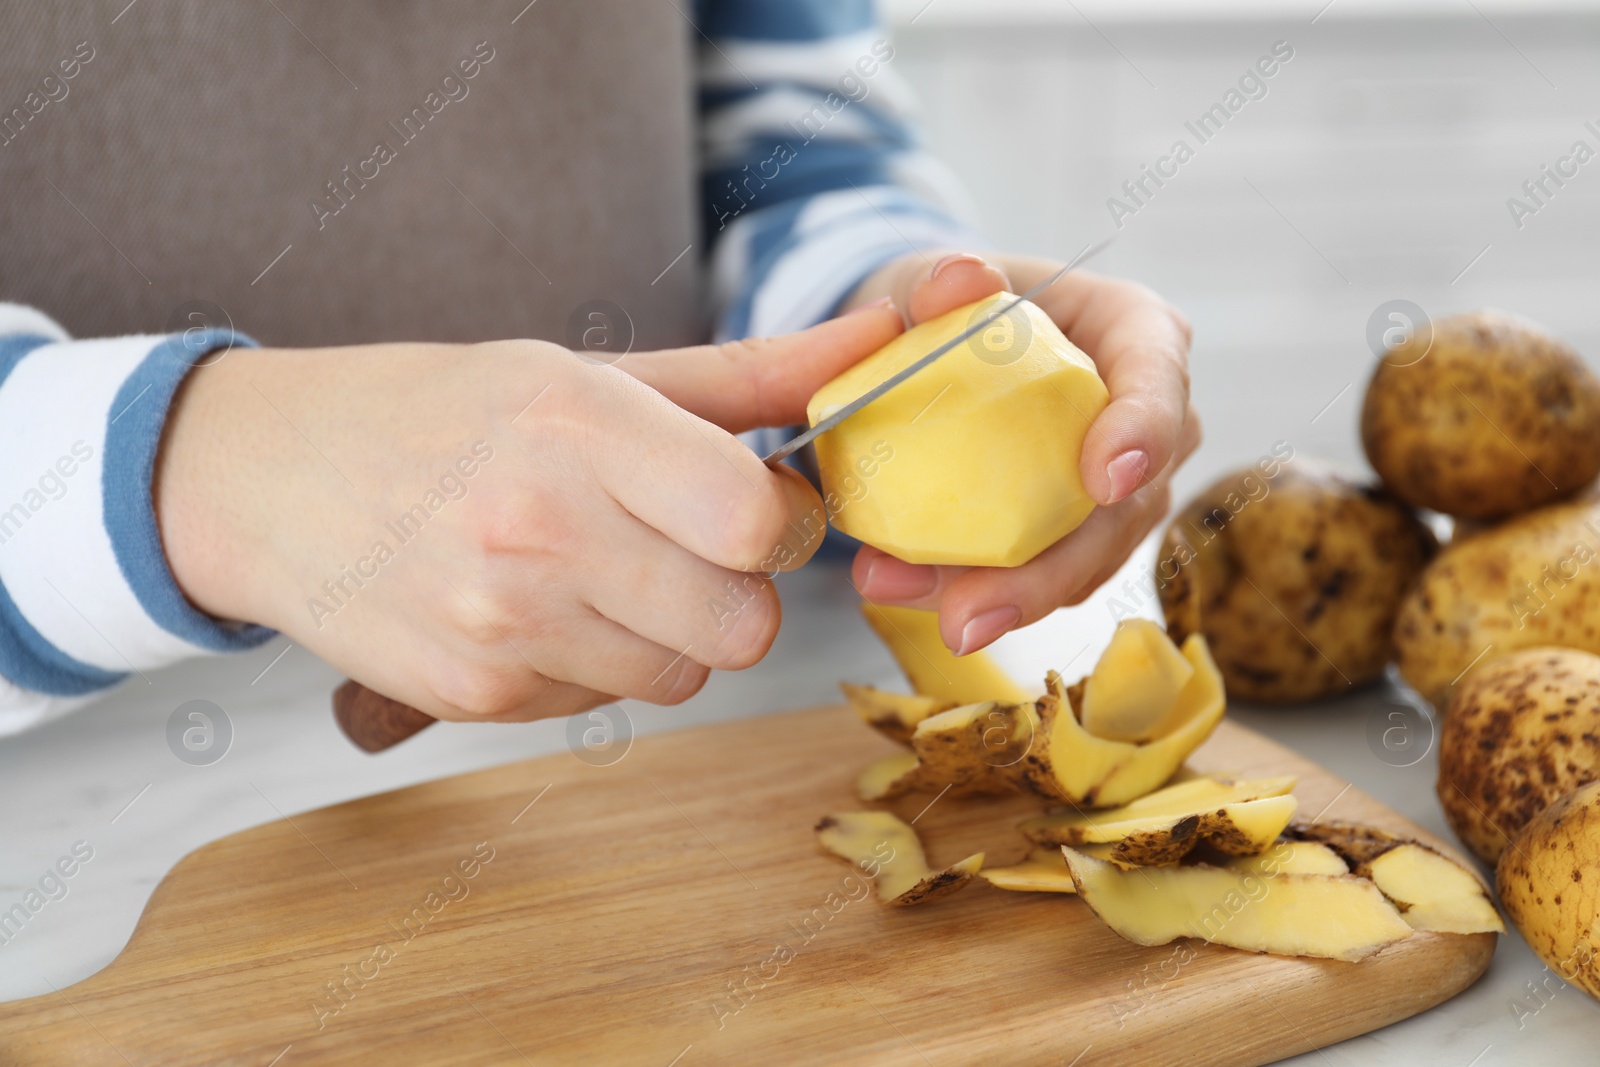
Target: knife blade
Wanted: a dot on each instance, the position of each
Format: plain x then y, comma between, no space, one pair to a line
796,443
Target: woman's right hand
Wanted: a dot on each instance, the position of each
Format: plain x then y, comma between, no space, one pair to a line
500,531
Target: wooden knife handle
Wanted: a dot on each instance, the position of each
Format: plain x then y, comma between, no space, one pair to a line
372,720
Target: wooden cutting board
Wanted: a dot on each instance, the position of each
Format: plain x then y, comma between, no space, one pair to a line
611,913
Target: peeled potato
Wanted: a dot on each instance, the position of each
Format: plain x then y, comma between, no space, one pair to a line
1492,417
974,460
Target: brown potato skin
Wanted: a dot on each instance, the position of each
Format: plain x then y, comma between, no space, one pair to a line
1549,885
1492,591
1497,417
1331,554
1521,732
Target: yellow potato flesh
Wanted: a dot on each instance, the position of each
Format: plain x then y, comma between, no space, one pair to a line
1107,773
990,745
1132,693
1433,892
973,460
932,669
886,777
1291,857
1044,871
1199,708
1332,916
1198,796
1168,824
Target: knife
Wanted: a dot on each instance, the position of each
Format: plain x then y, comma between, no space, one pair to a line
373,722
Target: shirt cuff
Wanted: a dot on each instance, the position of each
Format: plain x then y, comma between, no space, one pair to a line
86,596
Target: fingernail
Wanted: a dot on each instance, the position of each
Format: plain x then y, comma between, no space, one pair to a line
983,630
954,258
881,302
1125,472
891,579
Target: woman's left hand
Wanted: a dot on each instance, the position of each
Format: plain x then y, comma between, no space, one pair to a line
1140,344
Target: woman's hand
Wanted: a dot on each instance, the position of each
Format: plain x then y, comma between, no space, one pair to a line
1140,344
501,531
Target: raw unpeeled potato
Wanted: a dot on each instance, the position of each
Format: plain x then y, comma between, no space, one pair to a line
1482,416
1294,579
1549,885
973,460
1521,732
1531,581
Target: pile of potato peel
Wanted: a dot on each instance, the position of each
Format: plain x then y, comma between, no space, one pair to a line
1155,852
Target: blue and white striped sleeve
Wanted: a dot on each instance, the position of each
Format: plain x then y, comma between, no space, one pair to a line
811,173
86,596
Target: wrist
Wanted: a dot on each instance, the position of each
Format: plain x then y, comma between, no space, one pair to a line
192,487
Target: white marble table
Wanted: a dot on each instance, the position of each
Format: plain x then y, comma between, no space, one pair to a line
106,776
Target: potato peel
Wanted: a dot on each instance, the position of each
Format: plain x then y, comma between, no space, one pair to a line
894,715
891,776
932,669
1291,857
1350,918
1239,818
1132,693
1432,891
1043,871
888,851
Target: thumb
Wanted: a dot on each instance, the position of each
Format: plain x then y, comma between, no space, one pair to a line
955,281
763,381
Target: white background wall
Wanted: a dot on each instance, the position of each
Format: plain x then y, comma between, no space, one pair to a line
1383,153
